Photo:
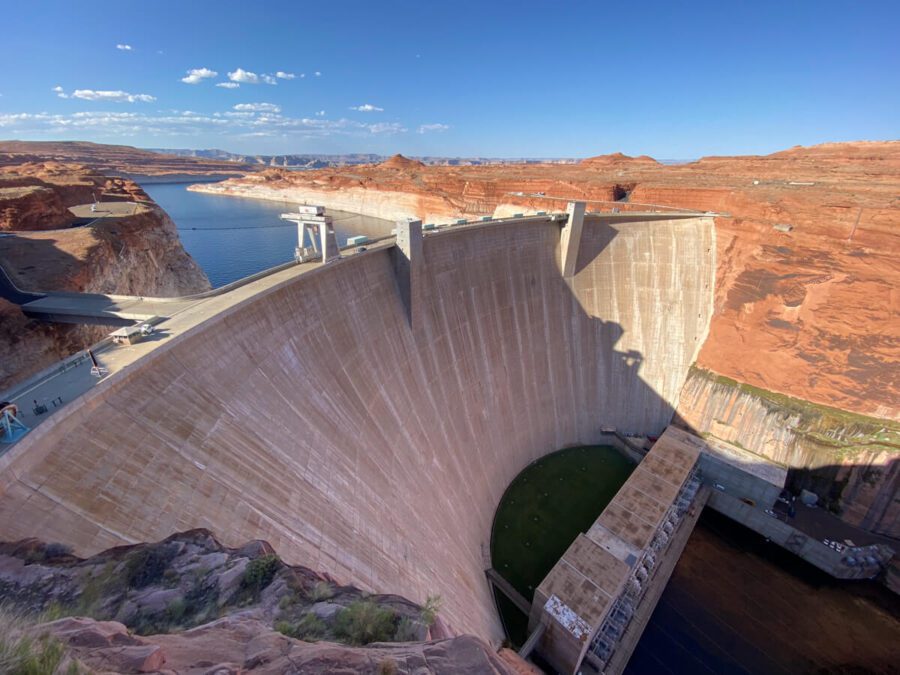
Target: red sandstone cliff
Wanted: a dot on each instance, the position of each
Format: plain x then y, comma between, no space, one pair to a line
116,159
138,253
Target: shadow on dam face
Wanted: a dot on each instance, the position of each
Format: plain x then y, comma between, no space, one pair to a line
312,416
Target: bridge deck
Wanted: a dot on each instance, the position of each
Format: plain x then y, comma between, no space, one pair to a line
102,309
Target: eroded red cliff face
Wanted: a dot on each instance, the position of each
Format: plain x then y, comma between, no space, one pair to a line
136,254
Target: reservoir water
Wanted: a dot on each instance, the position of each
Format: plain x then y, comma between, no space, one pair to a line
231,237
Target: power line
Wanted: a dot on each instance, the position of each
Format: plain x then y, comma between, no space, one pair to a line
254,227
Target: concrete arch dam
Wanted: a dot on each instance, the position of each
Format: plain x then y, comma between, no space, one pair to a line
316,415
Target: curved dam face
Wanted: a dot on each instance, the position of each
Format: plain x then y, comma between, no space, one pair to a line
313,416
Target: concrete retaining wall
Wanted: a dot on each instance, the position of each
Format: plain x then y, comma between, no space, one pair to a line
811,550
312,416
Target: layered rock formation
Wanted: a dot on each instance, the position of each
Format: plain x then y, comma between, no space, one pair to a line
850,460
45,248
805,303
189,605
121,160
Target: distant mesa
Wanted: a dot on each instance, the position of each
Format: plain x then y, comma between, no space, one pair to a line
398,161
619,158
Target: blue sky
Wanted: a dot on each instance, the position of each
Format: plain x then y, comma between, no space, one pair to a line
510,79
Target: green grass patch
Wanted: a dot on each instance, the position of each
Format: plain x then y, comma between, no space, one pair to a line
545,508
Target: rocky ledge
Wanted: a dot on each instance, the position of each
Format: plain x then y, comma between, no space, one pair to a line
45,247
188,604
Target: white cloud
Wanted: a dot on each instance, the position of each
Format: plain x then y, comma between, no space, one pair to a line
320,113
281,75
116,96
269,79
366,107
228,85
302,75
197,75
386,128
187,124
243,76
425,128
60,92
124,48
317,74
257,107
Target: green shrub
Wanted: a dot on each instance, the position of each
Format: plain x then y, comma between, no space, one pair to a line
321,590
387,666
171,578
285,628
147,566
25,655
57,550
310,628
176,611
430,610
407,630
30,657
363,622
259,574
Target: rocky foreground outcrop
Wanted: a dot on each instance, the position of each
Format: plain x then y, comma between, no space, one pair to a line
189,605
44,247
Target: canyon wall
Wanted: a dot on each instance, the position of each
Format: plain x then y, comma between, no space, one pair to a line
849,460
312,415
136,254
385,205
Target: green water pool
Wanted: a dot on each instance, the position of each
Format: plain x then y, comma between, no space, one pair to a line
543,510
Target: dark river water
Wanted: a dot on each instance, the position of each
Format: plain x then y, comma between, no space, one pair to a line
736,603
231,237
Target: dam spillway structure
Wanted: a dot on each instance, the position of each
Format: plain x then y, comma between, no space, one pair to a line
366,416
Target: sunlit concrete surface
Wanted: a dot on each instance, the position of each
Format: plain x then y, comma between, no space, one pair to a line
304,409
